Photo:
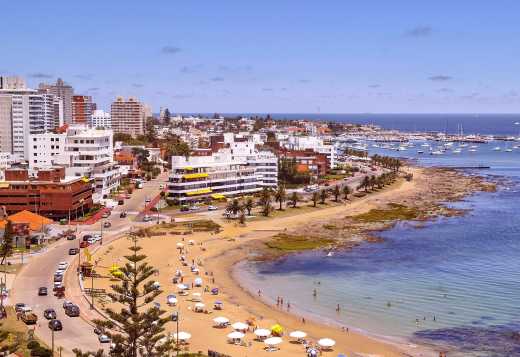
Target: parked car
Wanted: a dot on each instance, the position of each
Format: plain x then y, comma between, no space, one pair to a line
55,325
84,244
147,200
105,214
122,214
72,311
49,314
97,237
73,251
212,208
185,208
194,208
103,338
29,317
67,304
161,186
58,278
57,285
128,196
42,291
147,218
107,224
71,237
92,241
86,237
18,307
63,265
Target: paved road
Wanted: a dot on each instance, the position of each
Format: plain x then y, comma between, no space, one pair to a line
39,271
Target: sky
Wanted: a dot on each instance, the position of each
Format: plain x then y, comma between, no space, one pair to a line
273,56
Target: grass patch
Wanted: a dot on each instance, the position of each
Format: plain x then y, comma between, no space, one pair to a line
392,213
330,227
293,243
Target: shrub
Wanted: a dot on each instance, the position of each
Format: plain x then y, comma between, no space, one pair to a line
32,345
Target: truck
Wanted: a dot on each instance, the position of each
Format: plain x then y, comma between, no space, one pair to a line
28,317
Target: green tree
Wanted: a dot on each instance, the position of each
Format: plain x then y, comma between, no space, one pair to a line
249,205
336,192
294,199
233,207
137,329
150,132
323,196
346,191
315,198
6,248
265,201
280,195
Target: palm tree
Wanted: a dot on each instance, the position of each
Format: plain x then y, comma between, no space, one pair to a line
249,205
364,184
265,201
294,199
346,191
323,196
372,182
233,207
280,195
315,197
336,192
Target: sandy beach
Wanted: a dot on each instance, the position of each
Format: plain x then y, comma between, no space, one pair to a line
217,254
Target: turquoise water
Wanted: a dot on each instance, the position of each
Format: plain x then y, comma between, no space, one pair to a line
454,283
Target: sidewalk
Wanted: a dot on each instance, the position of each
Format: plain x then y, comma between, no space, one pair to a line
96,217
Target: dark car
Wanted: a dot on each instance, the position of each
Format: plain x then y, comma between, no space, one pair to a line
55,325
122,215
49,314
107,224
84,244
73,251
86,237
72,311
42,291
19,307
185,208
67,304
71,237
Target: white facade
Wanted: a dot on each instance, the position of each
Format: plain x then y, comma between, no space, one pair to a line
265,163
315,143
85,152
6,160
100,119
216,176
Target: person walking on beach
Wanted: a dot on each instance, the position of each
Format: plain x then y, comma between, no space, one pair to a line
259,292
288,305
314,293
337,308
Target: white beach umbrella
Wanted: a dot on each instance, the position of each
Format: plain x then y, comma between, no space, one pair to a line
182,286
191,242
183,336
221,320
199,305
235,335
180,245
298,334
239,326
262,332
326,342
273,341
197,281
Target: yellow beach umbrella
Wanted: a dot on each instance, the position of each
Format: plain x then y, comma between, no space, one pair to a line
277,330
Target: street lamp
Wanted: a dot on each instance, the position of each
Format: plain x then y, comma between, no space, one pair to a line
176,318
92,287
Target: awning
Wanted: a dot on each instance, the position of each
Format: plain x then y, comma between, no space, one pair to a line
194,176
188,168
217,196
199,192
85,179
4,185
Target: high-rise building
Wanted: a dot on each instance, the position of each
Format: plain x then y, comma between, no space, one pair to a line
128,116
12,83
101,119
63,91
82,109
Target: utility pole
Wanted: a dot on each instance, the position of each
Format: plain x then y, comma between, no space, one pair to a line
92,288
52,339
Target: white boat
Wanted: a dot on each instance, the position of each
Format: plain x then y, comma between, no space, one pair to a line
436,152
457,151
330,254
497,148
472,150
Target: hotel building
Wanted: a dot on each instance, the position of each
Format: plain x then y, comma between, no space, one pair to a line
82,109
128,116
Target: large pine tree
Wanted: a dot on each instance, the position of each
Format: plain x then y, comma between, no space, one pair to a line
137,327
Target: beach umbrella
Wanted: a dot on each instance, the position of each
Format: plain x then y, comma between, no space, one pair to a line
191,242
235,335
182,286
298,334
183,336
197,282
326,342
239,326
171,300
277,329
262,332
221,320
273,341
180,245
199,305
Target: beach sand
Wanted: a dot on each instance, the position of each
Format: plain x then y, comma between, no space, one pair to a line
220,252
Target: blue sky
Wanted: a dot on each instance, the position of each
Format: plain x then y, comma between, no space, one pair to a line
334,56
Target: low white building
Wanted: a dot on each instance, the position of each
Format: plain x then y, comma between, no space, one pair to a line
211,177
100,119
295,142
84,152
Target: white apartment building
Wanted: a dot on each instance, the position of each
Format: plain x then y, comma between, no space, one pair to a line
100,119
128,116
315,143
211,177
84,152
6,160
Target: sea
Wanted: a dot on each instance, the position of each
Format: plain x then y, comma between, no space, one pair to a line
452,284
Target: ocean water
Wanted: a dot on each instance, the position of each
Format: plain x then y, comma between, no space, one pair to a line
453,283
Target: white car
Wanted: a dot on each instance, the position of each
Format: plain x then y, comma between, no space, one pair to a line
147,218
58,284
103,338
212,208
59,272
63,265
97,237
147,200
92,241
161,186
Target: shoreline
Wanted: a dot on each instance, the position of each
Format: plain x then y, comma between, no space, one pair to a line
403,346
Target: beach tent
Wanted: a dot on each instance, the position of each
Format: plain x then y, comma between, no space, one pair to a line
262,333
182,336
235,336
199,307
272,341
299,335
171,300
240,326
197,282
277,330
221,321
326,342
218,305
196,297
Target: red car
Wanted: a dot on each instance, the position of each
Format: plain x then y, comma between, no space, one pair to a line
84,244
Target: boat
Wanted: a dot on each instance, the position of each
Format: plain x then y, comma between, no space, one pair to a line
472,150
457,151
330,254
497,148
420,152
